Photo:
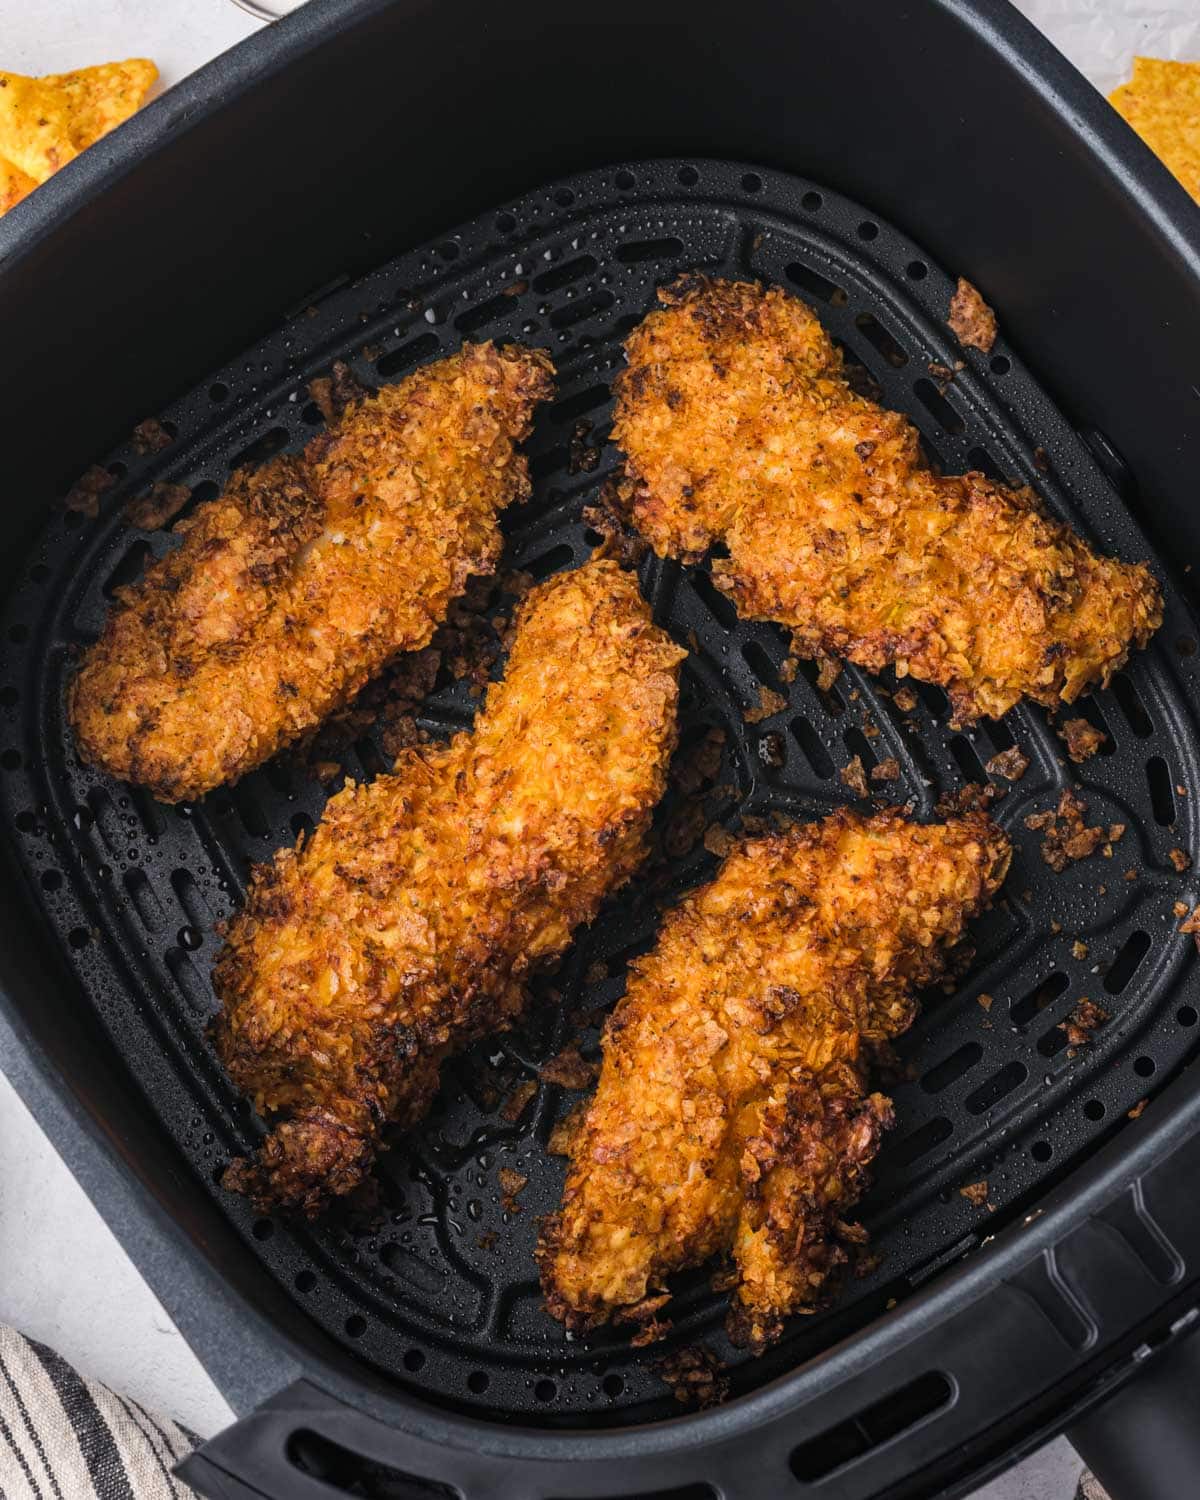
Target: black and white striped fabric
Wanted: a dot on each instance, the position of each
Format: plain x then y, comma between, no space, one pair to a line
66,1438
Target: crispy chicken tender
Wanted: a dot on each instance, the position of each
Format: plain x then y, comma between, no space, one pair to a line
738,426
733,1111
406,927
303,579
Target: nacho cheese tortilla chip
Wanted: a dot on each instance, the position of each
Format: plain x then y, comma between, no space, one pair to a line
45,122
1162,103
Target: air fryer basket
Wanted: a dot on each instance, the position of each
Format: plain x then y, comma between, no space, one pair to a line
428,1313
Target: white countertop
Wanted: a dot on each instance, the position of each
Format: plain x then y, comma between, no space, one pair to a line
63,1277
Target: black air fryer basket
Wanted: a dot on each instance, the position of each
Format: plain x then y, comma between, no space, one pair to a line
553,168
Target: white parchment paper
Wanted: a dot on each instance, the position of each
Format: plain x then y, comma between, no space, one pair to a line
1101,37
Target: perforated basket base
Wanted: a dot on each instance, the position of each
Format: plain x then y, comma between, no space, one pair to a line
439,1289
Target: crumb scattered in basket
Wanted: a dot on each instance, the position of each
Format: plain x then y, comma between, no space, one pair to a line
151,436
1081,738
971,320
161,503
1079,950
1085,1017
886,770
335,392
1011,764
695,1376
975,1192
1065,835
514,1106
1137,1109
854,777
985,1000
769,702
905,699
84,494
511,1183
1180,859
570,1070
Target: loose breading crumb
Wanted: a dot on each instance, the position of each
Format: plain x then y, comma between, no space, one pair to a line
985,1000
1079,950
886,770
161,503
511,1184
975,1192
1135,1112
769,702
1066,837
1084,1018
1081,738
514,1106
854,777
1011,764
1180,860
570,1070
905,699
971,320
695,1375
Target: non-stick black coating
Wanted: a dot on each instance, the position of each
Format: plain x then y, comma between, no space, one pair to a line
438,1290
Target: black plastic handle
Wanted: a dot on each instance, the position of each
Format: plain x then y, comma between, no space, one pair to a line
1144,1442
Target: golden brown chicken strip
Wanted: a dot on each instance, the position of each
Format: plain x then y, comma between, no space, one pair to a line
738,426
406,927
733,1111
307,576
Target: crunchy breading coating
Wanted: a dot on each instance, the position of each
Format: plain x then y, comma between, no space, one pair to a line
307,575
733,1111
406,926
738,426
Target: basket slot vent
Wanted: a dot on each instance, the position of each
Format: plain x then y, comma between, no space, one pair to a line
271,442
191,898
1127,962
875,1424
575,407
951,1068
1002,1082
879,338
408,354
936,703
129,569
1089,709
564,275
549,562
145,900
1162,792
719,605
922,1141
579,312
194,989
249,810
760,664
815,284
831,699
1132,706
479,317
980,460
858,744
640,250
1036,1001
938,407
967,760
815,752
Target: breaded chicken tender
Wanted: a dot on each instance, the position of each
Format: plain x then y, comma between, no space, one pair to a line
307,576
408,924
739,427
733,1112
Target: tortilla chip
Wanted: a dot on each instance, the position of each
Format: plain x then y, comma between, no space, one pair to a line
1162,103
14,185
46,122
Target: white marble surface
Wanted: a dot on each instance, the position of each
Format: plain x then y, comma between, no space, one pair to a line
63,1277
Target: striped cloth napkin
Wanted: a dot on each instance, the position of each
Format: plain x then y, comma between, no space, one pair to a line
66,1438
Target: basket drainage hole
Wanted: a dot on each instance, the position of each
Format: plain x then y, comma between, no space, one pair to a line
545,1390
688,176
868,230
1094,1110
52,881
263,1229
414,1360
1144,1067
1041,1151
356,1326
79,937
625,180
1185,1015
505,223
612,1385
811,202
752,182
916,270
218,391
305,1281
1001,365
477,1382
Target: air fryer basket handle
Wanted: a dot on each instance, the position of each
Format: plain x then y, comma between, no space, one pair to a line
1144,1442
